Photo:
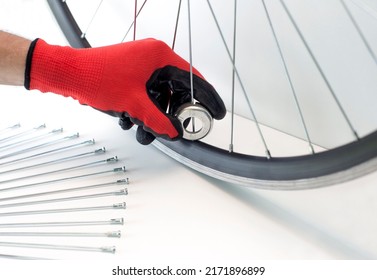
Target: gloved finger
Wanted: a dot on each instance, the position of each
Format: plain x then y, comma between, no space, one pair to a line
125,122
142,130
144,137
179,81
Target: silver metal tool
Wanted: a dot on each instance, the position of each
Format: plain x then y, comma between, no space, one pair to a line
197,114
64,210
106,249
116,221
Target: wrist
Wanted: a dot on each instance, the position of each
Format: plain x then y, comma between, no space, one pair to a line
28,60
63,70
13,50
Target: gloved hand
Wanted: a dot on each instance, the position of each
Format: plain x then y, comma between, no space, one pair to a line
141,82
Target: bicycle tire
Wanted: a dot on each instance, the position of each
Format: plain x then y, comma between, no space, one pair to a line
284,173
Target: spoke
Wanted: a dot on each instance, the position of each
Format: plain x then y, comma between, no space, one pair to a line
365,7
91,20
176,24
319,68
135,16
190,51
288,77
233,77
268,154
133,22
190,60
357,27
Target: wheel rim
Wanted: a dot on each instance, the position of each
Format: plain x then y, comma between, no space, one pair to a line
336,165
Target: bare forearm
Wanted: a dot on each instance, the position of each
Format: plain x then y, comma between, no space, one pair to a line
13,52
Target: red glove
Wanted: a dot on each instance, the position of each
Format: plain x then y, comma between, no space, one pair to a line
138,79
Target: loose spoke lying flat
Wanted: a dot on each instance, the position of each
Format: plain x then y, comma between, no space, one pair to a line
64,210
31,139
23,133
18,257
118,169
118,182
116,221
63,199
109,160
58,247
116,234
45,144
95,152
64,148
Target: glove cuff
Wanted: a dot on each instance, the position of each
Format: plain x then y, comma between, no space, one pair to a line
65,71
28,64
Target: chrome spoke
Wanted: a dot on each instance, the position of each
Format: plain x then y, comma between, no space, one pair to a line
289,79
365,7
190,61
319,68
176,24
83,35
135,16
268,154
233,77
133,22
357,27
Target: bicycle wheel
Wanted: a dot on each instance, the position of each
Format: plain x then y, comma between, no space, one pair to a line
329,161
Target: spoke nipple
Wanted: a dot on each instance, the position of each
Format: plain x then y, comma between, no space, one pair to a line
59,130
356,135
120,169
100,151
122,192
123,181
119,221
16,125
40,126
268,154
112,159
90,142
116,234
311,149
76,135
120,205
111,249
